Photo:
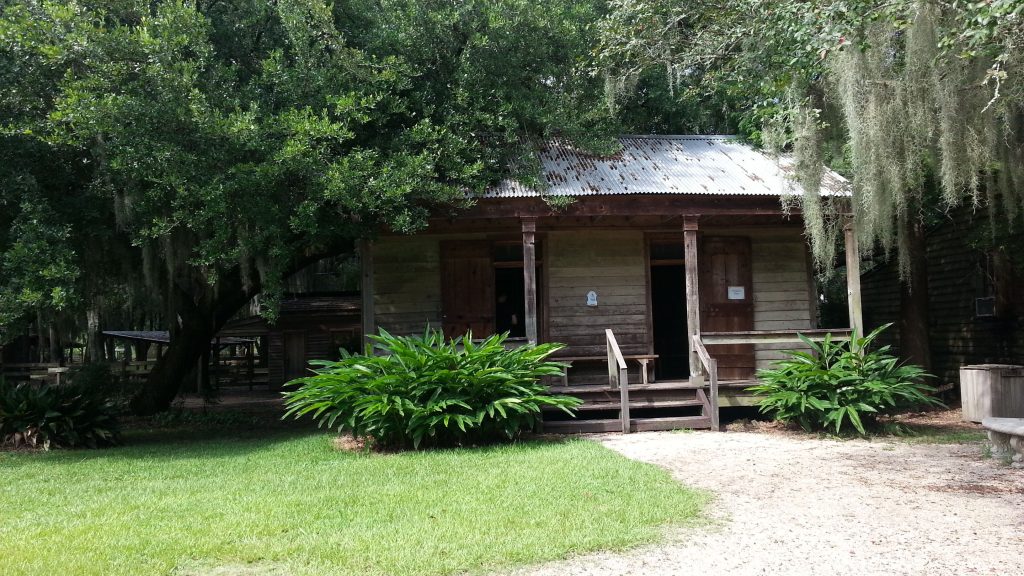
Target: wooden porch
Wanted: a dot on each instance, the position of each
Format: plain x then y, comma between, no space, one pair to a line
693,403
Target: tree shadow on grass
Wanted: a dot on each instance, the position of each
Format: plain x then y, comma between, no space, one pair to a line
228,434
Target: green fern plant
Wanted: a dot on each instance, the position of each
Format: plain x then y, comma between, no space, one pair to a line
429,390
47,416
839,383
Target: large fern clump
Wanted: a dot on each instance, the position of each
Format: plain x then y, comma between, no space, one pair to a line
839,384
429,390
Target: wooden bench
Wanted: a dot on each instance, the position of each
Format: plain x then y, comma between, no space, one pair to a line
645,360
1007,438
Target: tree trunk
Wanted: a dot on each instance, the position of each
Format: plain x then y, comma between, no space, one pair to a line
189,340
201,315
94,336
56,349
41,348
141,350
914,345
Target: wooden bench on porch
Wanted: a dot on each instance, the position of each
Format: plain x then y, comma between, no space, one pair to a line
646,362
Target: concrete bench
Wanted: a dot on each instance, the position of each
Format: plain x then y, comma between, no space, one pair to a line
1007,438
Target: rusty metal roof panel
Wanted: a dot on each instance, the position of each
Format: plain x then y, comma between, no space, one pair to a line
718,165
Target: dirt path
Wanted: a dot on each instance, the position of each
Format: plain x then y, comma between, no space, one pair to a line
792,505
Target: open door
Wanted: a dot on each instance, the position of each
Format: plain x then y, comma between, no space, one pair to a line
668,310
467,288
727,301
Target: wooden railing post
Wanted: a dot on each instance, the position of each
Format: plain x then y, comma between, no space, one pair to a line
530,278
369,320
624,400
711,369
618,376
690,264
853,279
713,374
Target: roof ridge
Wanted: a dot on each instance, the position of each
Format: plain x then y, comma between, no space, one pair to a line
681,136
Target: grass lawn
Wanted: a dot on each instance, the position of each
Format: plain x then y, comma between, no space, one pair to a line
288,503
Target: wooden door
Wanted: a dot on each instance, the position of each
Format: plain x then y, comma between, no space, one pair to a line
467,288
294,356
727,302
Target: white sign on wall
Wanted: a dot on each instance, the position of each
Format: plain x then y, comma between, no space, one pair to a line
591,298
737,293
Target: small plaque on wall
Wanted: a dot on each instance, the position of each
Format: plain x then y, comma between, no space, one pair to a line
737,293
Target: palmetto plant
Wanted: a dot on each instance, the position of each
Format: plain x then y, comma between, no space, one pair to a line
420,390
44,416
840,383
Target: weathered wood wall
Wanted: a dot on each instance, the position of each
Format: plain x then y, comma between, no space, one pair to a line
783,286
407,282
612,264
955,270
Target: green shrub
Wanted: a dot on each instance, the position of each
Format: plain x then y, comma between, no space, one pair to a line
429,390
46,416
840,383
96,377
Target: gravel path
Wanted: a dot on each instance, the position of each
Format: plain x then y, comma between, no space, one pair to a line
792,505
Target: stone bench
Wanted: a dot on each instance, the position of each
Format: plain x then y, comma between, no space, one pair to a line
1007,438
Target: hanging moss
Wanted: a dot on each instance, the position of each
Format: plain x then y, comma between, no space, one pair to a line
913,113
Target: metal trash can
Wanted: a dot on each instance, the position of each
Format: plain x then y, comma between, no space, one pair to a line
992,390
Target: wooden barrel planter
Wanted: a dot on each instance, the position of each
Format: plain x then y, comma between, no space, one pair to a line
992,390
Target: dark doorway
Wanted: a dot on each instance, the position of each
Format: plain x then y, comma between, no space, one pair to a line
509,302
668,312
294,355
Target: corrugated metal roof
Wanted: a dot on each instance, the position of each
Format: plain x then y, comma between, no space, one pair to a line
665,165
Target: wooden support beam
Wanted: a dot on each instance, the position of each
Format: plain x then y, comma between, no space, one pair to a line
530,277
692,295
369,320
853,278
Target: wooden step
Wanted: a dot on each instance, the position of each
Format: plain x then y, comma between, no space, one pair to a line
636,424
594,388
635,405
670,423
655,386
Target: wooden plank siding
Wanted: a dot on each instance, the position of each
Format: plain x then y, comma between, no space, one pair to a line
612,264
783,299
957,337
407,283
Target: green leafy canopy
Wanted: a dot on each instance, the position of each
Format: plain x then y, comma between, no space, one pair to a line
206,144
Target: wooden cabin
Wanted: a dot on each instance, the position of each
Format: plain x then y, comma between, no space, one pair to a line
308,327
975,295
673,276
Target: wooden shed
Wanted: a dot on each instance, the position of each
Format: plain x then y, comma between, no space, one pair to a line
675,272
975,300
308,327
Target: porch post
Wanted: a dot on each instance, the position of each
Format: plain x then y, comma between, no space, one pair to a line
530,277
692,295
853,278
369,320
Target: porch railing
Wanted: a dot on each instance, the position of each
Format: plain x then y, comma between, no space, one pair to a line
618,377
711,369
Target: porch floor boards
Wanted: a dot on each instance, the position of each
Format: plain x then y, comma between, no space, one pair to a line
661,385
